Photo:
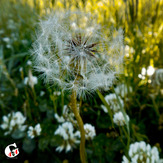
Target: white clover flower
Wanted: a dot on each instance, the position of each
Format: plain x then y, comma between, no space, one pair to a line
119,119
31,80
59,119
123,90
142,152
111,99
125,160
5,123
149,72
68,55
70,138
90,132
34,131
12,121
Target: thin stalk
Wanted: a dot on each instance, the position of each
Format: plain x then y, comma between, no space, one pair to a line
107,106
81,126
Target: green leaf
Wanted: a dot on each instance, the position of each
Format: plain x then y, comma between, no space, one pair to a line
17,134
29,145
107,106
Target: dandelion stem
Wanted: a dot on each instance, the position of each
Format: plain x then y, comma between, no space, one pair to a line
81,126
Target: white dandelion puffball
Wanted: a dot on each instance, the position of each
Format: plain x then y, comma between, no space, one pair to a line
73,52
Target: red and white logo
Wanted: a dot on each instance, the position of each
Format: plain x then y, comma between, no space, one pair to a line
11,150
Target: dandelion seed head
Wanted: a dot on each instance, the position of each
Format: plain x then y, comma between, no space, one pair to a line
73,52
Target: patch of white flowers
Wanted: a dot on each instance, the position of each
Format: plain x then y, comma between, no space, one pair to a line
34,131
111,99
70,138
149,72
119,119
12,121
140,152
77,58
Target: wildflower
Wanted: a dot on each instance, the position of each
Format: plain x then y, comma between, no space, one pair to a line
123,90
90,132
119,119
142,152
149,71
112,100
67,115
70,138
12,121
74,58
34,131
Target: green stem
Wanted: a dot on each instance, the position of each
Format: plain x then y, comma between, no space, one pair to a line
81,126
128,137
